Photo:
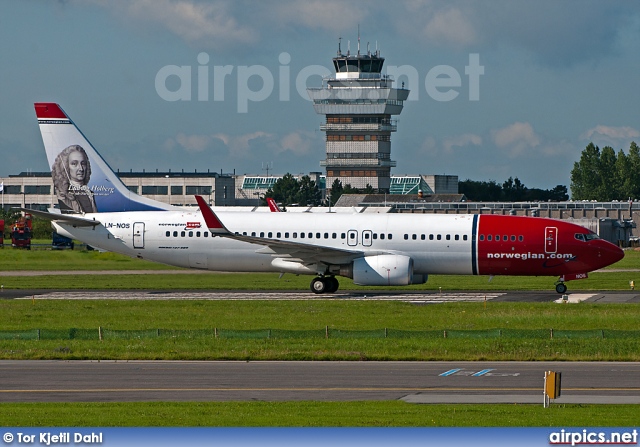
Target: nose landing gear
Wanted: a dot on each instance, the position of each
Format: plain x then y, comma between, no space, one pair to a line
561,287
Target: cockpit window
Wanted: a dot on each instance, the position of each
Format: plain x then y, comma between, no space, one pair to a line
586,236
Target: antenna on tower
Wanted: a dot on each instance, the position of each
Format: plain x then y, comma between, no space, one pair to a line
339,49
348,48
368,51
268,167
358,39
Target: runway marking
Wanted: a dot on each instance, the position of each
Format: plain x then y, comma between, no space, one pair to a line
482,373
427,298
366,389
462,372
575,298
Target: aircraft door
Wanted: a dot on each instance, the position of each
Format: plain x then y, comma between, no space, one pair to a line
550,239
138,235
352,238
367,238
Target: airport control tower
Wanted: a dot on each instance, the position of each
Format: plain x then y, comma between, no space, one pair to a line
358,103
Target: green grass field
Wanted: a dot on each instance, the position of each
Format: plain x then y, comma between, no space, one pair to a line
344,314
315,315
313,414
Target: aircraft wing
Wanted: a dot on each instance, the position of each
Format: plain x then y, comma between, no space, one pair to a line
305,253
67,219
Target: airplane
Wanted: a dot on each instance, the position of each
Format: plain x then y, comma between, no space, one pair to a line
273,206
372,249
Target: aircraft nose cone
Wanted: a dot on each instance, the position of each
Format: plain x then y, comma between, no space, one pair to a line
610,253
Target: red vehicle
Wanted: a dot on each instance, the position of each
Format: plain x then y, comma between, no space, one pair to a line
21,232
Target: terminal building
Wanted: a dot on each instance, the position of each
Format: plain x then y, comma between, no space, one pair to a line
614,221
35,189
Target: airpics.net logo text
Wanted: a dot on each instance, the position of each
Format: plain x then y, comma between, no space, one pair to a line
255,83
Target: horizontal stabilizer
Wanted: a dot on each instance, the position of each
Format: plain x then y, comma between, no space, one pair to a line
63,218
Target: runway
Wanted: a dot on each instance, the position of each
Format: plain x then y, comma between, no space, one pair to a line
414,382
415,297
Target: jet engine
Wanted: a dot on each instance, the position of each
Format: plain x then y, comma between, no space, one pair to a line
383,270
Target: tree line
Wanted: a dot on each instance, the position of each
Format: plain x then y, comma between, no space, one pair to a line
603,175
511,190
600,175
305,192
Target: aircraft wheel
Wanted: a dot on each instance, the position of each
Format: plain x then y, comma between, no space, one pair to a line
332,284
319,285
561,287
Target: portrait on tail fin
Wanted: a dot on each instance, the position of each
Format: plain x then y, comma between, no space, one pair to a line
83,181
71,173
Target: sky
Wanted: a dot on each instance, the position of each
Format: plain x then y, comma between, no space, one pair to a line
507,88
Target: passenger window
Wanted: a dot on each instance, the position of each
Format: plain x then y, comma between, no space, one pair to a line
439,237
175,234
482,237
457,237
422,237
406,237
375,235
253,233
168,233
488,237
513,238
448,237
318,236
366,236
431,237
521,238
334,236
497,238
197,234
464,237
286,235
301,235
390,236
206,234
343,235
381,236
295,235
182,234
270,235
278,235
262,234
505,238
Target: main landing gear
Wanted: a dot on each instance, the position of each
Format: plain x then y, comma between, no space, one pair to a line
324,284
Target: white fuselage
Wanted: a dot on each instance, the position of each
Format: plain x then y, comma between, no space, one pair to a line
437,244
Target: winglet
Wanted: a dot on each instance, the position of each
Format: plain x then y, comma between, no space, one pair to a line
273,206
213,223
